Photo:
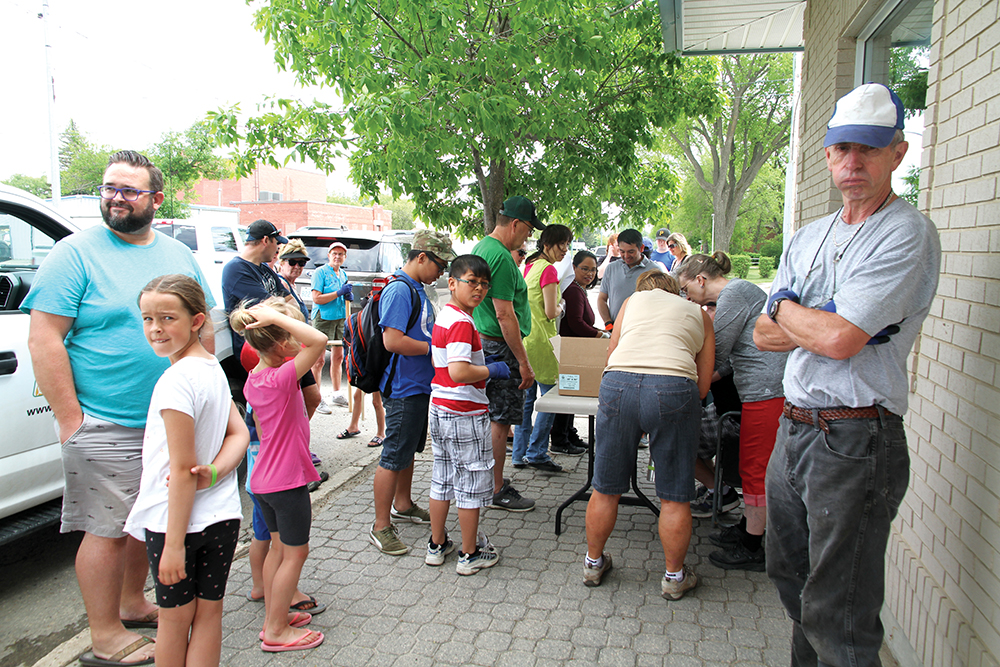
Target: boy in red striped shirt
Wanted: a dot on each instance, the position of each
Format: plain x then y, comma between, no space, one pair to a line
459,421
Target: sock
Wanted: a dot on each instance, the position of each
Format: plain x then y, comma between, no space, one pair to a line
743,524
674,576
752,542
595,562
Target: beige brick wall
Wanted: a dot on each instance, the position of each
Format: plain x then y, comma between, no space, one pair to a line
944,556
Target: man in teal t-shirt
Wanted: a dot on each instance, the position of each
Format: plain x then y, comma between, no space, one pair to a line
96,370
503,320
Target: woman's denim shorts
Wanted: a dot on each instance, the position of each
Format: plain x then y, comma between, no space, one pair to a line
664,406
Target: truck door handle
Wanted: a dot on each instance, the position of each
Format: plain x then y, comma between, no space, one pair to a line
8,363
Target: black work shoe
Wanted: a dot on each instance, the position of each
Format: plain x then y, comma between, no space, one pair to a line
569,449
739,558
727,537
546,466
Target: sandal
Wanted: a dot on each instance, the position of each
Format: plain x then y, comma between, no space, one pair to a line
376,441
346,433
308,605
92,660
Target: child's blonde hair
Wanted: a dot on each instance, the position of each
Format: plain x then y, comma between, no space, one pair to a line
185,288
263,339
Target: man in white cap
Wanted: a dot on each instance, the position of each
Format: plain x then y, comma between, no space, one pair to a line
848,301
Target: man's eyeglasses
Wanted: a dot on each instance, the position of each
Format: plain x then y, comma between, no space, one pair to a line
475,284
128,194
297,262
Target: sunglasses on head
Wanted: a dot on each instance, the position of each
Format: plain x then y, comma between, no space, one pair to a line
297,262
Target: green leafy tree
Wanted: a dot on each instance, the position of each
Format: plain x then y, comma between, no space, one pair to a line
459,104
734,145
908,69
81,162
36,185
185,158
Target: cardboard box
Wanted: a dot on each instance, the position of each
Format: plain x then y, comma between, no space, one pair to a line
581,364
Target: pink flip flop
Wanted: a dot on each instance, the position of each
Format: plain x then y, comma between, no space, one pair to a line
310,639
299,619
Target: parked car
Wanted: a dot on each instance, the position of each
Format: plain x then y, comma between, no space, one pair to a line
30,463
213,244
371,258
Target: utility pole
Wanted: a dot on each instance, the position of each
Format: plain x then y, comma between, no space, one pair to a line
51,90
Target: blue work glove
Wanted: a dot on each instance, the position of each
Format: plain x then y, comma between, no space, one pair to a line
499,370
349,296
884,335
830,307
345,289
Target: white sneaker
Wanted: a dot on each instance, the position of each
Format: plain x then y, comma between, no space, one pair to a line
323,408
339,400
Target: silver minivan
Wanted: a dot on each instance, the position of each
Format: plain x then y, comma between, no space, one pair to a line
371,258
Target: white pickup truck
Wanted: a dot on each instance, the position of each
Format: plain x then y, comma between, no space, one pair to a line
31,479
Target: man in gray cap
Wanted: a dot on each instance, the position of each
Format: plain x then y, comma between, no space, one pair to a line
503,320
407,321
848,302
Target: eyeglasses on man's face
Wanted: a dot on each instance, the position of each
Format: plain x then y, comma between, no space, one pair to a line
128,194
475,284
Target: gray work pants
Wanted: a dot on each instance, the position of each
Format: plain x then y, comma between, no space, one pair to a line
830,500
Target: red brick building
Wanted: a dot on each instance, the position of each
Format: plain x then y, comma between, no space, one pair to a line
290,198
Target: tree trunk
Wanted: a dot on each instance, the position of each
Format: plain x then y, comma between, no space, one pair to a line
492,189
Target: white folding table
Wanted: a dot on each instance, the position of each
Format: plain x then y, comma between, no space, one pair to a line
553,402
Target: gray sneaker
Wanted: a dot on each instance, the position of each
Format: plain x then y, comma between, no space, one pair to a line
387,540
592,575
323,408
436,554
415,514
509,499
675,590
472,563
339,400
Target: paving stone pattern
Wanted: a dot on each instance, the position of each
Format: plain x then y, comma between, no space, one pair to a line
531,609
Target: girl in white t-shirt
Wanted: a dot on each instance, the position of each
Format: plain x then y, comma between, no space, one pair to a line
194,440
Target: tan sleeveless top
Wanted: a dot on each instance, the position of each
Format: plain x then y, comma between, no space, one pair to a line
660,335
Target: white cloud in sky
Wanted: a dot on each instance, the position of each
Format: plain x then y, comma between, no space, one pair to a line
127,72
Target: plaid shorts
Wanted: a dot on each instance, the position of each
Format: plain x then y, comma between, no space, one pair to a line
463,458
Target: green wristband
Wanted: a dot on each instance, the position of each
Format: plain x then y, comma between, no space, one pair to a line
215,474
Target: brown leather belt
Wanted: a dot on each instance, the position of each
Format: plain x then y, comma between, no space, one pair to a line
492,338
822,417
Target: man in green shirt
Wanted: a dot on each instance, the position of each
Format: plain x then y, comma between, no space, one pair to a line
503,320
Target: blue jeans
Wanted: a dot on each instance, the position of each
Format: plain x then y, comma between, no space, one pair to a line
531,445
664,406
831,498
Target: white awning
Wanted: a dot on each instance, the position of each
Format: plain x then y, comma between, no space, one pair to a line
704,27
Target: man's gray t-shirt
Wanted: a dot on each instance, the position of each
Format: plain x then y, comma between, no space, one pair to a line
619,282
756,374
886,274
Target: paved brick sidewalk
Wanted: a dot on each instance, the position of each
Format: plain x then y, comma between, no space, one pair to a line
531,609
